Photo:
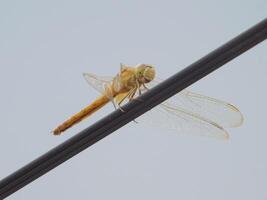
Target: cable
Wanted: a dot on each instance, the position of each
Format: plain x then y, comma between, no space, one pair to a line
117,119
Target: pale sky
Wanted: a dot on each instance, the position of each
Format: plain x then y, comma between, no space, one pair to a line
45,46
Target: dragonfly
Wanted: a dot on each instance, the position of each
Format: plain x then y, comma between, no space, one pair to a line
187,112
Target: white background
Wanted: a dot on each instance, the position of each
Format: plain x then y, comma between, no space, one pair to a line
45,46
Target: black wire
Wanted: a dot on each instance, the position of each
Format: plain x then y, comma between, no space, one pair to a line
117,119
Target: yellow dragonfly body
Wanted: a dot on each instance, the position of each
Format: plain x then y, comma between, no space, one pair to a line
124,85
186,112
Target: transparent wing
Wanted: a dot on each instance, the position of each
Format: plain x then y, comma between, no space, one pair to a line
217,111
182,122
104,84
99,83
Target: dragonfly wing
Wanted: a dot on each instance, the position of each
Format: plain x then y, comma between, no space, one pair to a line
183,122
215,110
99,83
102,84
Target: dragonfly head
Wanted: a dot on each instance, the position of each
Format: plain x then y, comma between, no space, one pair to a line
145,73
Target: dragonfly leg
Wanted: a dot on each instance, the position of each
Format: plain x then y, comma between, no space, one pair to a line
145,87
119,106
129,95
121,109
139,92
120,102
114,104
132,93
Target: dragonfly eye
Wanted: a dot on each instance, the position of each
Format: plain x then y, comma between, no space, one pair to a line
149,74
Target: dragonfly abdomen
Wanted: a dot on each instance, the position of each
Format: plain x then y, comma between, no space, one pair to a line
87,111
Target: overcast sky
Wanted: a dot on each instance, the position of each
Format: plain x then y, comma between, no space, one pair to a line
45,46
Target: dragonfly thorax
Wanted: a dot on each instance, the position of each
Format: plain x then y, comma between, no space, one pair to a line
134,77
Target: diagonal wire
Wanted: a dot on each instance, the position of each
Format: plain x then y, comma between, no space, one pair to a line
117,119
